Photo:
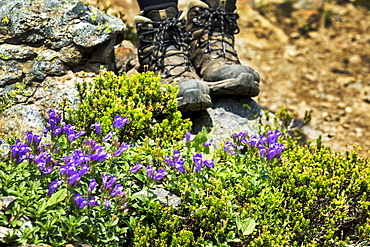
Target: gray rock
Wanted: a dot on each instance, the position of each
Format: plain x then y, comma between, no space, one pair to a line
4,147
6,201
42,45
20,119
17,52
227,116
4,232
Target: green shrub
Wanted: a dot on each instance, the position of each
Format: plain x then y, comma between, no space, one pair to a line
314,198
150,107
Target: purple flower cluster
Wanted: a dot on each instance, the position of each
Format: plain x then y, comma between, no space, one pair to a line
43,160
20,151
176,161
157,176
74,166
56,129
119,122
108,188
268,146
54,186
199,162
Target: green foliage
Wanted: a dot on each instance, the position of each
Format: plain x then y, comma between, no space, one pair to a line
314,198
150,107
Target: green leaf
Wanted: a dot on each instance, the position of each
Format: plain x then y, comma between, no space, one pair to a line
57,197
245,226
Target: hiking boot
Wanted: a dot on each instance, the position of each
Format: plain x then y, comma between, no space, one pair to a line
162,48
211,26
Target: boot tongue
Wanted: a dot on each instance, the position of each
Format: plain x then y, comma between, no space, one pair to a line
158,15
228,4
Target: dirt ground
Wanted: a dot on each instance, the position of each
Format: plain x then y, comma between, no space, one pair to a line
309,60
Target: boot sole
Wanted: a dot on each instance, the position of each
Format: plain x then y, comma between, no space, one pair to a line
242,85
194,100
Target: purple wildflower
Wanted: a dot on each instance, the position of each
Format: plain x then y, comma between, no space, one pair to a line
262,140
275,150
208,143
80,201
119,122
137,167
105,178
80,133
262,150
117,190
54,186
97,127
209,163
253,141
159,174
121,149
56,131
177,161
227,146
198,161
47,171
273,136
29,137
108,136
74,179
31,157
238,137
92,185
37,140
43,159
99,154
93,202
19,151
187,136
107,203
149,171
108,181
245,142
68,129
84,169
52,114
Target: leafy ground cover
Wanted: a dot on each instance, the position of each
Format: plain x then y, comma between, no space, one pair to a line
86,183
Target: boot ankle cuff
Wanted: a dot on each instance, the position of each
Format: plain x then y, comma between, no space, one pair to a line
146,10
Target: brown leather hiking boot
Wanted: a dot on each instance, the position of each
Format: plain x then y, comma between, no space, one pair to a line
211,26
162,48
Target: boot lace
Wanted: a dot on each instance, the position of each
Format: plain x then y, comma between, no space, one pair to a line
225,31
157,30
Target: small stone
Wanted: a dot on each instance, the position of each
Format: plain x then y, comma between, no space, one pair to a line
345,80
355,59
6,201
295,35
4,231
348,109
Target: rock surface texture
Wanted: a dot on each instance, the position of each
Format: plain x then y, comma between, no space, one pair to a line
48,45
